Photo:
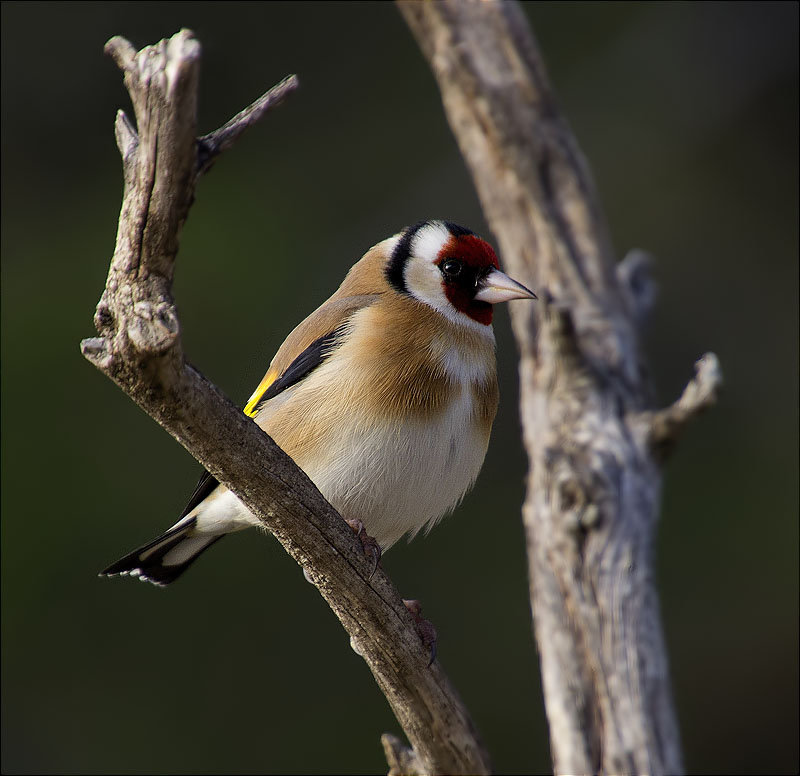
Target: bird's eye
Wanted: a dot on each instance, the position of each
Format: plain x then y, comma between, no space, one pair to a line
452,268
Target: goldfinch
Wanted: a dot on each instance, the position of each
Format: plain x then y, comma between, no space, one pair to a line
385,396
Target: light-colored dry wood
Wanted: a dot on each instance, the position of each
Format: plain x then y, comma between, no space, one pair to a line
593,441
139,347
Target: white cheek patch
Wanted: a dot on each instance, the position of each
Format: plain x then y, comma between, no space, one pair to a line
421,276
424,282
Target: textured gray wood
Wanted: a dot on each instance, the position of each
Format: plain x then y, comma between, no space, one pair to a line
594,443
139,347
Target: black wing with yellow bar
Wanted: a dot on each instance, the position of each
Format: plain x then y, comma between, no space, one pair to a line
270,387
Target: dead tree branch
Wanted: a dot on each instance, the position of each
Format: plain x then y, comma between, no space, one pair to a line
139,347
594,445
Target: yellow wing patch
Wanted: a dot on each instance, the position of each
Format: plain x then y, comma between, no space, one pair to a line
269,379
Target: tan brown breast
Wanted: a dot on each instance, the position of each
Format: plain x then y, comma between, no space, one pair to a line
416,361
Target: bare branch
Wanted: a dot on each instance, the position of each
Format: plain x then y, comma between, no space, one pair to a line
125,134
594,480
210,146
402,760
121,51
139,347
701,392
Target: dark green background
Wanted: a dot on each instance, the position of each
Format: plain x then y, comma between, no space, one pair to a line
688,116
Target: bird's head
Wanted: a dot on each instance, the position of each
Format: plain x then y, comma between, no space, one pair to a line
453,271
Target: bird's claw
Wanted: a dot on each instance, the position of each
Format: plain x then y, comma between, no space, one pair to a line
427,632
371,547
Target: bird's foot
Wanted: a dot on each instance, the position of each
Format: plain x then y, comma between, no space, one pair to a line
371,548
424,627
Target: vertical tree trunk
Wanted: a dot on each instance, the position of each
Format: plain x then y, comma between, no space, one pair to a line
595,446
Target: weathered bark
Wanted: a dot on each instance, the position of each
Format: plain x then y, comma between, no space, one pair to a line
139,347
594,443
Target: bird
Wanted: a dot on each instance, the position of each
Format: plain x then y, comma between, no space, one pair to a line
385,396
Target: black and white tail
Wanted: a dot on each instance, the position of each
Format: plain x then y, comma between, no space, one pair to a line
164,559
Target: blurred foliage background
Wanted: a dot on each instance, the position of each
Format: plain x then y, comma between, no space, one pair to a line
688,116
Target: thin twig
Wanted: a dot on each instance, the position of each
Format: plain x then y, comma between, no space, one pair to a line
210,146
700,393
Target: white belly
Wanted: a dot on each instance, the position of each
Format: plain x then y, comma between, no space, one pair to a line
397,479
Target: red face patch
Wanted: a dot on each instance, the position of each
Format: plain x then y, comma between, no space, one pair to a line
476,258
473,251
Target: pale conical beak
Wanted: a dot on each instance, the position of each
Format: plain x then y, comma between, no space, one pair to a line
499,287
